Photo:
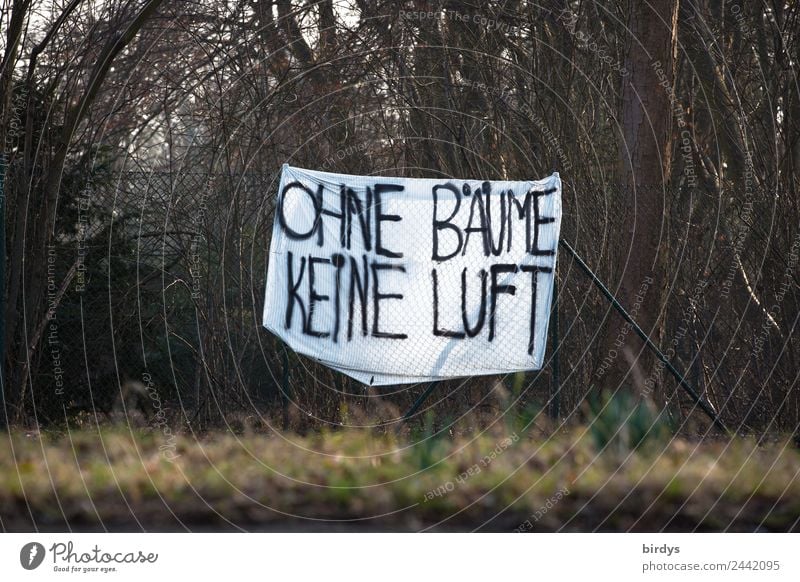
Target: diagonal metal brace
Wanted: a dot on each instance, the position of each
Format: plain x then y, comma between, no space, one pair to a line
422,398
703,404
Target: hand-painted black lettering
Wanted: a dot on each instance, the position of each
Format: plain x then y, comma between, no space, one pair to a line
377,297
314,297
496,290
534,271
363,212
538,220
489,244
316,201
341,216
338,262
439,225
524,211
487,226
473,331
292,296
477,201
360,286
436,331
380,217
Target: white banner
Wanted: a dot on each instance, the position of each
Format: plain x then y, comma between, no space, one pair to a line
397,280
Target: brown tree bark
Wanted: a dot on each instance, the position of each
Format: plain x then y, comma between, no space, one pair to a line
645,160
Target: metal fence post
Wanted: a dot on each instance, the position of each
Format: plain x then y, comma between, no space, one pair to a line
286,400
555,341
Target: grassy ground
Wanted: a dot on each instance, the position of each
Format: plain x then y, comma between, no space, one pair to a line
351,479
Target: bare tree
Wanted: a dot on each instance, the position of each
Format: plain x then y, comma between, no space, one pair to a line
40,175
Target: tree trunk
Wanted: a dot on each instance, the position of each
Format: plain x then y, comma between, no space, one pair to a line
645,159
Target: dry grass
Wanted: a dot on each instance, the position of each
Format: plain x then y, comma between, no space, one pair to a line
121,480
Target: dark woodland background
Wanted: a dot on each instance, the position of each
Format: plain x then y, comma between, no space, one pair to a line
141,142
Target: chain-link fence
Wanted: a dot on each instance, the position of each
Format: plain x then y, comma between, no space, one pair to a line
163,273
155,285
